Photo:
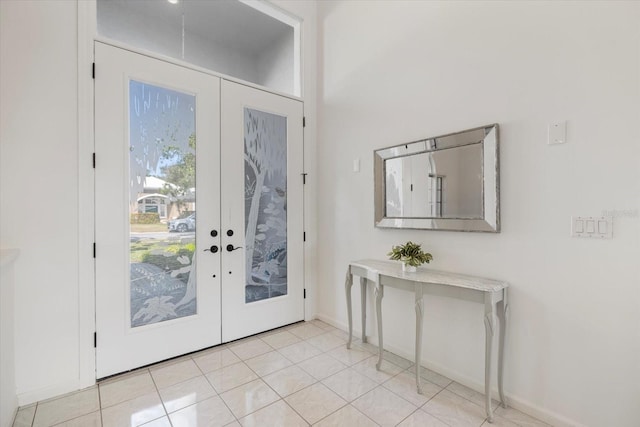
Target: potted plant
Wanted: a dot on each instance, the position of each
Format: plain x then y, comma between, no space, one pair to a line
411,255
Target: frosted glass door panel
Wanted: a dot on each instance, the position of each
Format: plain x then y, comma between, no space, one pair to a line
265,171
162,190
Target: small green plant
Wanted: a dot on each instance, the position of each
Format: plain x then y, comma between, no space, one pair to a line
410,253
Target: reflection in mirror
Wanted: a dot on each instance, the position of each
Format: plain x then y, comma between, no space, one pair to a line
447,183
439,184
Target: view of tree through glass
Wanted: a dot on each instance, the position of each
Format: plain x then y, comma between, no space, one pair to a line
162,153
265,166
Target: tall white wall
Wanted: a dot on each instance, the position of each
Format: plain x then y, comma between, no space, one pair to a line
392,72
8,397
39,188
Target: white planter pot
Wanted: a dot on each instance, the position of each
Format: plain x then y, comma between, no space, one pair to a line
409,268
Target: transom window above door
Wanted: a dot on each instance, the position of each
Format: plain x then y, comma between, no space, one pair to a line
249,40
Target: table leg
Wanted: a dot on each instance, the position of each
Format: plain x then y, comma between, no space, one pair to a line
503,307
489,325
363,304
347,286
379,291
419,322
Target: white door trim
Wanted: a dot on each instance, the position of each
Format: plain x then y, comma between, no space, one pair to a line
86,212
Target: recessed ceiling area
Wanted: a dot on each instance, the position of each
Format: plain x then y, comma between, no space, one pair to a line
226,36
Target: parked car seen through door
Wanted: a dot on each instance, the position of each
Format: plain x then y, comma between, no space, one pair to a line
185,222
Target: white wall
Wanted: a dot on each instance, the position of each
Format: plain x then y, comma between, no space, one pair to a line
392,72
39,188
306,11
8,397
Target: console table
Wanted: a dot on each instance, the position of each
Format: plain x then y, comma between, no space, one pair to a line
492,293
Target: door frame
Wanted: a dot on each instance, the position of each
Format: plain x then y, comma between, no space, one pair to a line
87,36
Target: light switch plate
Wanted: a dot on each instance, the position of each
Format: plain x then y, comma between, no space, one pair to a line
597,227
557,133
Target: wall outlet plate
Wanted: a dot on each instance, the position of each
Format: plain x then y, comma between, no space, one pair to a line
557,133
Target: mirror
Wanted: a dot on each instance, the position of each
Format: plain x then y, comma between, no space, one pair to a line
448,182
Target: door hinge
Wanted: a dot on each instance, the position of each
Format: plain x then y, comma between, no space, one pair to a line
304,236
95,340
94,160
304,294
304,121
94,249
304,178
93,70
411,187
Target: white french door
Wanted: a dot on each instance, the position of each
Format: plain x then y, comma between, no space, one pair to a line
262,207
166,287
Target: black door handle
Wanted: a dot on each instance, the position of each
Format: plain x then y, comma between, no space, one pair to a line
230,248
213,249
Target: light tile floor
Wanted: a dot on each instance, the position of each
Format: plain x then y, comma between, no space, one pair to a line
299,375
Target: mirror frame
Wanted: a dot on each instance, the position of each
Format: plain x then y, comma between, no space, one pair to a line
490,221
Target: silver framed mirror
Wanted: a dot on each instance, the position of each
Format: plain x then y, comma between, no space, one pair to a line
449,182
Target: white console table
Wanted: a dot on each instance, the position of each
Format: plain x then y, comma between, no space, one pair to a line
492,293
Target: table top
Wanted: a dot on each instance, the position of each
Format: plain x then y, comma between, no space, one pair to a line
427,275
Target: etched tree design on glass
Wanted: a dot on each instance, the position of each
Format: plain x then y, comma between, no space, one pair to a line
162,153
265,160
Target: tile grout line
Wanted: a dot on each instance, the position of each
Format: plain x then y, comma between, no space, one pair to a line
417,409
278,394
100,404
166,413
435,416
329,388
283,397
219,395
72,418
320,381
33,420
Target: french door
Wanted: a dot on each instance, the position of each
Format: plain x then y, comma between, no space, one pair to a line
223,161
262,198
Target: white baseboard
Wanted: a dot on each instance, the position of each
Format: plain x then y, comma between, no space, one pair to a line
32,396
513,400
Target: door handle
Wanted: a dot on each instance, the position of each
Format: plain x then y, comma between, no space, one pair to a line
230,248
213,249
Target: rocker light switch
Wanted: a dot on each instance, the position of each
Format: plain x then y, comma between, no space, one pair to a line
591,226
602,226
